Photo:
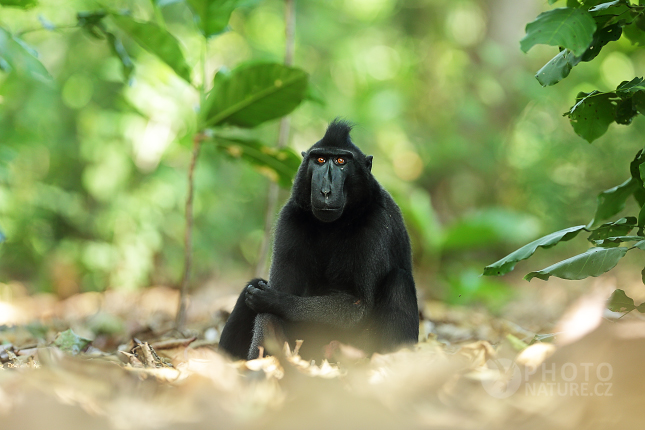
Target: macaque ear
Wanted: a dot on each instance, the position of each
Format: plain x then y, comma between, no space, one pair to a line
369,162
303,153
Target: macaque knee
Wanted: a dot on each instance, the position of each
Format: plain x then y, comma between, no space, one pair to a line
268,335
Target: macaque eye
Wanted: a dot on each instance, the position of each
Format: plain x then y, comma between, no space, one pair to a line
340,161
321,160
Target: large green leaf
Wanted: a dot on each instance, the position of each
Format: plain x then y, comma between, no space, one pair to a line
592,114
595,111
593,262
16,56
608,28
212,15
566,27
156,41
279,165
507,263
612,201
253,94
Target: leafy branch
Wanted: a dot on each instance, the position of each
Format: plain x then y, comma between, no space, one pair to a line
245,97
581,30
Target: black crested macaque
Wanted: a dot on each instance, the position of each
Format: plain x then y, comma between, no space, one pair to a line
341,266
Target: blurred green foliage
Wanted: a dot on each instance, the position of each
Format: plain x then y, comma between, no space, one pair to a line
93,165
581,31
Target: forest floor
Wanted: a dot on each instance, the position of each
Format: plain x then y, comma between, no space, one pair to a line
113,361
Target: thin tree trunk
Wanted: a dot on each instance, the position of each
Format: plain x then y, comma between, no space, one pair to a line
188,238
283,137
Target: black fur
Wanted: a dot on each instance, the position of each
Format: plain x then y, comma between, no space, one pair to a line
341,265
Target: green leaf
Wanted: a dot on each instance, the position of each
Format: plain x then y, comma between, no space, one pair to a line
419,211
47,24
640,245
253,94
557,68
594,262
545,337
634,31
639,101
560,66
487,227
637,167
641,220
24,4
584,4
620,302
612,13
118,49
156,41
507,263
567,27
601,37
612,201
70,342
629,87
617,240
625,111
315,95
17,57
92,23
617,228
592,114
605,6
279,165
517,344
212,16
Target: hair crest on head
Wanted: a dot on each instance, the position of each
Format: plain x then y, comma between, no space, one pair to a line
338,136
